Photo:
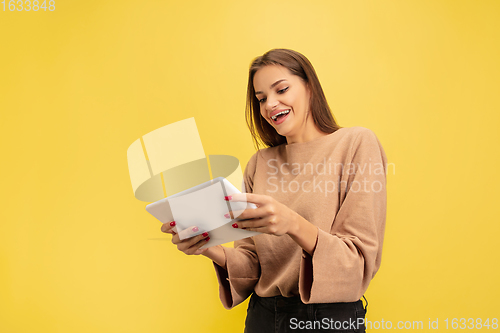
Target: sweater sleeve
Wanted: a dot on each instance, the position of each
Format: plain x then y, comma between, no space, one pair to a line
347,257
242,272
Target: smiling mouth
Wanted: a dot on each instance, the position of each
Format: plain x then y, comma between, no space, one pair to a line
279,114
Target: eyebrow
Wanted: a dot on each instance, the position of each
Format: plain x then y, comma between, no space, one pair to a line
272,86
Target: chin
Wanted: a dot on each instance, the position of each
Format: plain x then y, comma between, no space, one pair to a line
284,130
282,133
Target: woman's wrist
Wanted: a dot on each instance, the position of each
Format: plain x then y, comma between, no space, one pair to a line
217,255
303,233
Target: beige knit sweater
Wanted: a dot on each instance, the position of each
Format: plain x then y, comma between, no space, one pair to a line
336,182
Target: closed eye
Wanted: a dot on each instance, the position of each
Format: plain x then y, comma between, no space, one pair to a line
262,100
282,91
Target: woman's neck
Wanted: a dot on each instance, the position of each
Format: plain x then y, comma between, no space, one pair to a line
309,132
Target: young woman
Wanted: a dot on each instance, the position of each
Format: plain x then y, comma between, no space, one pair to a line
320,191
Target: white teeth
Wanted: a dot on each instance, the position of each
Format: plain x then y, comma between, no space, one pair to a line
277,114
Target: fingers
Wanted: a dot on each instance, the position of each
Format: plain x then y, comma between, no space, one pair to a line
169,228
257,199
266,228
195,248
252,213
253,224
188,232
191,245
233,214
184,235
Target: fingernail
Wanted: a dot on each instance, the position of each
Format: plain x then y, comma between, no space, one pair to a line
172,224
227,216
207,239
195,229
205,234
228,198
235,225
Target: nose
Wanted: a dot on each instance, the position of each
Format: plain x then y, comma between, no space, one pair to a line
272,103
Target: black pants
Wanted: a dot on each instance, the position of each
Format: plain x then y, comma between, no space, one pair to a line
281,314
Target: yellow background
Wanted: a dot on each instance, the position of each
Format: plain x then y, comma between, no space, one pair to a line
78,253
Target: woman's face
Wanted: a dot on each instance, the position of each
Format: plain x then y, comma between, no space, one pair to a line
284,101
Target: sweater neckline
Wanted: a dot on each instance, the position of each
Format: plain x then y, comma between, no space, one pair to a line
299,145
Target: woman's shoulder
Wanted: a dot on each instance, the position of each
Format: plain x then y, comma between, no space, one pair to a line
356,131
266,153
364,143
356,135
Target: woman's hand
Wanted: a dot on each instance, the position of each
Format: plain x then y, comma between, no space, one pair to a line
270,216
189,245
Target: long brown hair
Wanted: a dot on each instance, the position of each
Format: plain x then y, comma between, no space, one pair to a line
261,130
